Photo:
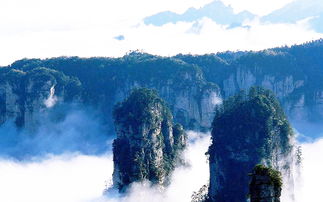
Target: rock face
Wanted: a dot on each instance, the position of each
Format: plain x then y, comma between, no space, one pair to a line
190,97
190,84
148,144
286,89
265,185
248,129
24,95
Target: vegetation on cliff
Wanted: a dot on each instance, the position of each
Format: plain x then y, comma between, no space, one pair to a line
248,129
266,184
148,144
294,73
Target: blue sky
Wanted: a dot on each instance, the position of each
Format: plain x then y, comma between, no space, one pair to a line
45,28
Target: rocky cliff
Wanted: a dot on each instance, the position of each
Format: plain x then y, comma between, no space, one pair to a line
265,185
148,145
192,85
24,95
248,129
293,74
105,81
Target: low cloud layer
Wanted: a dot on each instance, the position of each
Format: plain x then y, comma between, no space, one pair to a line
308,188
61,129
66,178
81,178
184,181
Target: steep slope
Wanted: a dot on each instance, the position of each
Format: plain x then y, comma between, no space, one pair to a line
247,130
293,74
106,81
265,185
148,144
192,85
25,94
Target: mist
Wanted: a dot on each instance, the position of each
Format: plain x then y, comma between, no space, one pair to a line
83,178
64,178
184,181
69,159
65,128
308,187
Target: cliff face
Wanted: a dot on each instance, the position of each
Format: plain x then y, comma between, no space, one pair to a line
190,97
293,74
287,88
105,82
192,85
148,144
265,185
23,95
248,129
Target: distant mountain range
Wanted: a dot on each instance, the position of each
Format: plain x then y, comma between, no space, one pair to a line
215,10
293,12
299,10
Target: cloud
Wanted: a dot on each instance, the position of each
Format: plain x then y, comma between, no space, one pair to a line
66,178
63,128
307,186
81,178
184,181
212,37
67,28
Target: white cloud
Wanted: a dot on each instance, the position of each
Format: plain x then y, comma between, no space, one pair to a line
309,187
79,178
74,178
171,39
43,28
184,181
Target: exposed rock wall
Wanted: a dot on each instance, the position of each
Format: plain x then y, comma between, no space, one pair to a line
148,145
23,95
190,98
248,129
190,84
265,185
289,90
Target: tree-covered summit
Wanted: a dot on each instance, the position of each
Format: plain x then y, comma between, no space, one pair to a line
248,129
257,112
136,109
148,144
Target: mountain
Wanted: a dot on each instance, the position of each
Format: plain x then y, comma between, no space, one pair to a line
215,10
102,82
22,94
148,143
192,85
248,129
299,10
292,73
311,10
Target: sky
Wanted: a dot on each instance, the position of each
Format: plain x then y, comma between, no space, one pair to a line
46,28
